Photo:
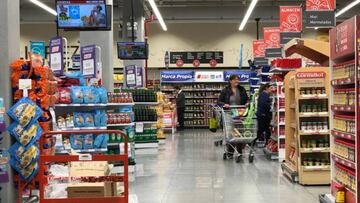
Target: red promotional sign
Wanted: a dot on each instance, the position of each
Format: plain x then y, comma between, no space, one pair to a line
196,63
213,63
272,37
318,5
342,39
304,75
290,18
179,63
259,48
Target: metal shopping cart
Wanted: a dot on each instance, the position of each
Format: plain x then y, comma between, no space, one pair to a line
240,130
216,123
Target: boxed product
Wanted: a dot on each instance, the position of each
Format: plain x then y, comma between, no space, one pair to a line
103,189
92,168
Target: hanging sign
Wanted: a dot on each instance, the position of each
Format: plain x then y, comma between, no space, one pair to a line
290,23
213,63
177,76
179,63
243,75
88,61
342,39
310,79
259,48
272,42
38,48
320,13
196,63
203,56
130,75
209,76
56,59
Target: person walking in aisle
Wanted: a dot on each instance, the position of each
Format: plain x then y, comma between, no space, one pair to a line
233,94
263,113
180,107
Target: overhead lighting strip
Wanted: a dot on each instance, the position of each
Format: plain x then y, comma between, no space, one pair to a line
247,14
157,14
44,6
346,8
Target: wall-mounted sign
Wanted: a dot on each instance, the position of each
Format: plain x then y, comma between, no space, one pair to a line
56,59
259,48
320,13
130,75
342,39
290,22
38,48
88,61
203,56
177,76
310,79
209,76
243,75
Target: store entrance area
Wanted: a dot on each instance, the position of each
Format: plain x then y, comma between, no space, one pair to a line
189,168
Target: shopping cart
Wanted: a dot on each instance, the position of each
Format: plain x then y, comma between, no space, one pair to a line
239,130
216,123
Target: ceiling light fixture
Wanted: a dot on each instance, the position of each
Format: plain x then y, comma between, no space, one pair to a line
316,28
247,14
43,6
346,8
157,13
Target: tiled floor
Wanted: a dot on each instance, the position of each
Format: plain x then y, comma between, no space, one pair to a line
190,169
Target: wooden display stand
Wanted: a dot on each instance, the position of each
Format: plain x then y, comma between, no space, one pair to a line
307,158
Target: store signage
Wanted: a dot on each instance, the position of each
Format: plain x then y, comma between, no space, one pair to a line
310,79
203,56
273,52
261,61
76,61
259,48
167,59
38,48
213,63
290,22
272,37
320,13
56,60
177,76
179,63
130,75
88,61
342,39
139,77
196,63
243,75
209,76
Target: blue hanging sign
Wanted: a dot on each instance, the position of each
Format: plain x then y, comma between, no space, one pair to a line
38,48
243,75
177,76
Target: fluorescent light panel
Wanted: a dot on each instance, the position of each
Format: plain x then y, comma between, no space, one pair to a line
346,8
247,14
158,15
44,6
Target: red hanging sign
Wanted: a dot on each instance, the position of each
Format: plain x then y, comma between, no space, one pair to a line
272,37
179,63
290,18
342,39
196,63
259,48
213,63
320,5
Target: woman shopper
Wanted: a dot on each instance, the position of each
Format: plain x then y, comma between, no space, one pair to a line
263,113
233,94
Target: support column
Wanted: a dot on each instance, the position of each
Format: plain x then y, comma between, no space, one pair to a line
103,39
9,51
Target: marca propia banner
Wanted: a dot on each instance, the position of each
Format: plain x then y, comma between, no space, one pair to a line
177,76
272,41
243,75
290,23
320,13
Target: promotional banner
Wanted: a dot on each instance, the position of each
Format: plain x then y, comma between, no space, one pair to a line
320,13
38,48
88,61
177,76
272,41
209,76
342,39
56,56
290,23
259,48
130,75
310,79
243,75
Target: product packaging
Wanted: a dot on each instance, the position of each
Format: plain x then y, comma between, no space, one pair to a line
25,112
25,136
77,141
77,95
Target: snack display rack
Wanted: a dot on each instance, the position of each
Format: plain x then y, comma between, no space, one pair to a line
345,153
307,146
123,157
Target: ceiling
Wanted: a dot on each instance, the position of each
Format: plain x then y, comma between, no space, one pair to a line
190,10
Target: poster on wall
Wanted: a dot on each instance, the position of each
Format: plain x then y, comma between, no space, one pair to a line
259,53
290,23
130,75
209,76
38,47
342,39
243,75
272,42
56,56
88,61
320,13
177,76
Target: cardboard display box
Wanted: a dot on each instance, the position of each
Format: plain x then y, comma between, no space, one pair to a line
104,189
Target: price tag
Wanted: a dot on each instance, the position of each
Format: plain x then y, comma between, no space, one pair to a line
55,59
139,128
88,67
85,157
24,84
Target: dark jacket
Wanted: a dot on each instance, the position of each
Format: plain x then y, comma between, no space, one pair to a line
264,106
180,100
227,92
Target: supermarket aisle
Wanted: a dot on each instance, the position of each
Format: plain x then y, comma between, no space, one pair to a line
190,169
